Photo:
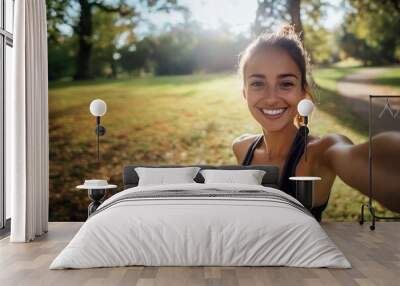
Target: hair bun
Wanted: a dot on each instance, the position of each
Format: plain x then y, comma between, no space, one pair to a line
287,29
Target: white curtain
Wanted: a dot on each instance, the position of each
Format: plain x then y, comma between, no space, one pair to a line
27,123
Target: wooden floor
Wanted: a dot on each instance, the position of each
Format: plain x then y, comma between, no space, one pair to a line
374,255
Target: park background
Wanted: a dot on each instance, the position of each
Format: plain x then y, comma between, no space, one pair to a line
167,71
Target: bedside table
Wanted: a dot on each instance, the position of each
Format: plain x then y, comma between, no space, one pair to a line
305,189
96,194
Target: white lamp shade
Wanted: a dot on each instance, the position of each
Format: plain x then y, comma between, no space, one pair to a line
305,107
98,107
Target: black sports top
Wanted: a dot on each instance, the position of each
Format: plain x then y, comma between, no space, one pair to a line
289,169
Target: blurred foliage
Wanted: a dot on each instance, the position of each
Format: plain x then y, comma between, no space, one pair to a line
57,16
61,58
321,45
271,13
184,49
370,31
83,21
306,15
137,58
98,38
173,52
109,28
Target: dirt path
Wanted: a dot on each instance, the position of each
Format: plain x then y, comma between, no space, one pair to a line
355,90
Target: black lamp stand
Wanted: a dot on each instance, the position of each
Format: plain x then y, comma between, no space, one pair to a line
97,195
100,131
305,135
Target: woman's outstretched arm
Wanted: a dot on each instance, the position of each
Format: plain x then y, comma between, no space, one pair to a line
350,163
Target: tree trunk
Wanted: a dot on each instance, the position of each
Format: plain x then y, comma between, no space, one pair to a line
113,69
85,32
294,11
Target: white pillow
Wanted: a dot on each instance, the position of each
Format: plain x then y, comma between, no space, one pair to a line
162,176
249,177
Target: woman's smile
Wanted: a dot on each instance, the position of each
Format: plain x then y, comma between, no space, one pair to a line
273,113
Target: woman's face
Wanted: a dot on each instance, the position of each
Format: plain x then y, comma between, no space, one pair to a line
272,88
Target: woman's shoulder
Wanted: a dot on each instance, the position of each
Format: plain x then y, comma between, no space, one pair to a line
328,140
241,143
319,147
244,139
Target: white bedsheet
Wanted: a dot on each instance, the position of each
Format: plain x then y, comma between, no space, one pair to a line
200,231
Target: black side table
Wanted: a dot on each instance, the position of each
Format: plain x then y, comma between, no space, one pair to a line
96,194
305,190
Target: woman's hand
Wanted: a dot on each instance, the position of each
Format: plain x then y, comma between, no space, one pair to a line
351,163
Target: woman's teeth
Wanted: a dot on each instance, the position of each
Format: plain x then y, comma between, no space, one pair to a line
273,111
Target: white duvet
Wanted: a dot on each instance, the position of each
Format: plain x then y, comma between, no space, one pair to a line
182,231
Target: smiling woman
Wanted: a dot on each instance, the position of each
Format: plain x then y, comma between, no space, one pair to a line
281,52
274,72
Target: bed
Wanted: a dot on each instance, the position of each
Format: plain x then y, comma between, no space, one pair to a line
201,224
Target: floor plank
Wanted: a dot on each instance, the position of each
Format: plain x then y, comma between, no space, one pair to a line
374,255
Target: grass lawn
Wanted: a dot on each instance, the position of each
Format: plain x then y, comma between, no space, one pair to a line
390,78
170,120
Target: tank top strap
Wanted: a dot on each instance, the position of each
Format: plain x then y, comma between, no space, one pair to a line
293,158
250,151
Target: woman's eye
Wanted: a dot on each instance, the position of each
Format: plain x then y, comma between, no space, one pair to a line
257,84
287,85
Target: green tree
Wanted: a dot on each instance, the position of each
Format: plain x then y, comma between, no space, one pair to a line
183,48
173,52
61,47
272,12
79,15
61,63
306,17
110,32
370,31
138,57
320,43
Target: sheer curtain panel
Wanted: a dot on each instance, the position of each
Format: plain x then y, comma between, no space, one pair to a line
27,150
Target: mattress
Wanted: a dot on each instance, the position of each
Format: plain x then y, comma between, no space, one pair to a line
201,225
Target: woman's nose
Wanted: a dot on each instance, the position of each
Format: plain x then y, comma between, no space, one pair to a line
270,92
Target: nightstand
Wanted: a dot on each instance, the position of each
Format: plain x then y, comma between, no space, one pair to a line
305,190
96,194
